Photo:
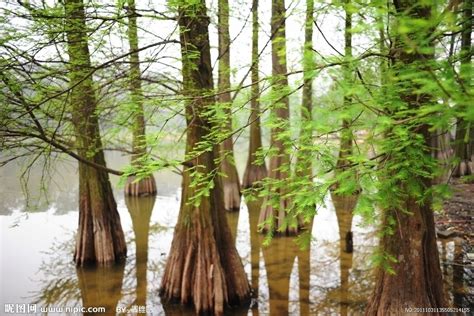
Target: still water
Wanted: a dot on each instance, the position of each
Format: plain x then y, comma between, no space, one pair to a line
36,247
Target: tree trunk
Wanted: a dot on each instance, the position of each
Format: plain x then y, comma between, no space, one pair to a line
146,185
203,266
274,211
304,163
254,172
230,178
346,135
464,141
100,237
344,206
416,279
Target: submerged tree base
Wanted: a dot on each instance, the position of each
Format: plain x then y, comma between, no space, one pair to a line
232,196
253,174
202,268
277,221
100,238
142,187
230,180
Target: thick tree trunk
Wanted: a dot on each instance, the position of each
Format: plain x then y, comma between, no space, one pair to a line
140,209
416,281
254,172
203,266
464,142
274,215
100,237
304,163
146,185
230,178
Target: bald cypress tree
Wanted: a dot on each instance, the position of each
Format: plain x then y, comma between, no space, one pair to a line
410,275
146,185
254,171
230,177
464,142
274,216
100,237
203,266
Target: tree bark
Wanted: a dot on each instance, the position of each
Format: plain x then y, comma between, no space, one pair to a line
100,237
274,215
146,185
416,281
203,266
304,163
230,178
254,172
346,135
464,141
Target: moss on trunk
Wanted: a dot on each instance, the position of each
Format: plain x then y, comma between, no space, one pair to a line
100,237
146,185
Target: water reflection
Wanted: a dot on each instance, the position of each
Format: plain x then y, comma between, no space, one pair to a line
101,286
140,209
344,206
331,277
287,270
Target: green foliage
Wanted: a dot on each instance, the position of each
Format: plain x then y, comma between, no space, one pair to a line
391,105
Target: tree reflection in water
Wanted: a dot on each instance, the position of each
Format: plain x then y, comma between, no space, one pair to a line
287,269
344,206
285,279
140,209
101,286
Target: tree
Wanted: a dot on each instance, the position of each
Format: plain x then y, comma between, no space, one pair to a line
145,185
275,206
464,141
408,239
230,177
203,266
254,171
304,165
100,237
346,136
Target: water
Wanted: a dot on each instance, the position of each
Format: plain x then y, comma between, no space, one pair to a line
37,248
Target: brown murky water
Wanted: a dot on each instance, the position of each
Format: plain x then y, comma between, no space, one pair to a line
325,278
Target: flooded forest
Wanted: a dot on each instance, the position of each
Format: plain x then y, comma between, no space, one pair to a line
236,157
